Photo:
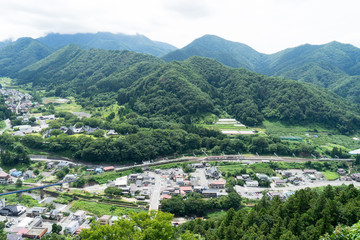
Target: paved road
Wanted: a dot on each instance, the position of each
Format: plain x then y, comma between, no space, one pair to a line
155,195
200,173
8,125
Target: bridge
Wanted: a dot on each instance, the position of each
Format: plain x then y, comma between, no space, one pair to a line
41,188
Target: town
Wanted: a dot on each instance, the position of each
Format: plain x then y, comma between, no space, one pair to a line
144,190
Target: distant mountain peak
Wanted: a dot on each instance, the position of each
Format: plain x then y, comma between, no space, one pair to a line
108,41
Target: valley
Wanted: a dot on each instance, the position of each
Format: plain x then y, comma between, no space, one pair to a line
126,134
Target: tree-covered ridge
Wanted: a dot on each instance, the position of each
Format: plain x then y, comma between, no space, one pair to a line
19,54
109,41
201,85
333,65
73,70
179,90
306,215
229,53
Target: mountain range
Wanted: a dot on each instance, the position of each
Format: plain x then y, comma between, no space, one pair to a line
335,66
179,85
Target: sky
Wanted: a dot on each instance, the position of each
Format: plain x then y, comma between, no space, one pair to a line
267,26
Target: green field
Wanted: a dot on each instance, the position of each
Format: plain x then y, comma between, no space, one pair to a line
69,107
5,81
27,201
330,176
100,209
218,214
325,140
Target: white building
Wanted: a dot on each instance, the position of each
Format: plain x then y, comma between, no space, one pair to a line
72,227
252,183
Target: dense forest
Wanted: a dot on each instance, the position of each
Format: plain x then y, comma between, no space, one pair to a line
149,138
308,214
179,90
334,65
17,55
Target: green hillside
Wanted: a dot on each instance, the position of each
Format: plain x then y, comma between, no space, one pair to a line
335,66
229,53
17,55
180,90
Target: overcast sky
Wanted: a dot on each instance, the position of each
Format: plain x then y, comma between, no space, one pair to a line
265,25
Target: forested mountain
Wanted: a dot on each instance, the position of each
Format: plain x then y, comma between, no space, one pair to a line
334,65
178,90
229,53
19,54
109,41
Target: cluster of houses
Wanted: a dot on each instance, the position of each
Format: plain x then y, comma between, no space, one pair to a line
29,227
178,183
25,129
17,101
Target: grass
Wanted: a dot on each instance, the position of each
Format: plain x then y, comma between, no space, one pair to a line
106,177
217,214
68,107
232,168
330,176
26,201
100,209
326,140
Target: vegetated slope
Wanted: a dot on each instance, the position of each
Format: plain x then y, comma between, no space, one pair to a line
73,70
179,90
228,53
248,96
308,214
333,65
19,54
103,40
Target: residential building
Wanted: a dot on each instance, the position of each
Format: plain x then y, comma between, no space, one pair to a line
110,168
113,219
79,216
35,233
212,172
36,211
210,193
72,227
69,177
185,189
280,182
218,184
105,220
356,176
4,178
12,210
252,183
341,171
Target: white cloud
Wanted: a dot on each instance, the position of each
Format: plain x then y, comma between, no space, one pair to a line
266,25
